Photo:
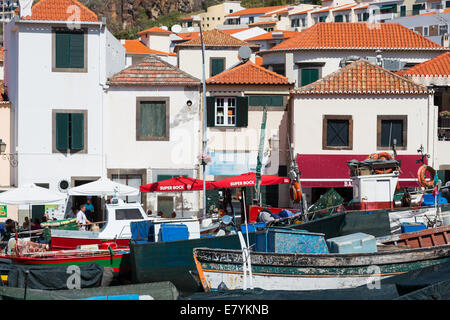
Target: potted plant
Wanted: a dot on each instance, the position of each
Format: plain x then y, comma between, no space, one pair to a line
444,114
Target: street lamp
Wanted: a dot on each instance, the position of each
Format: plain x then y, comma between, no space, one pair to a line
11,157
204,140
2,146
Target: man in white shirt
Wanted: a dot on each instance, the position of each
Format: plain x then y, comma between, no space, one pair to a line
81,218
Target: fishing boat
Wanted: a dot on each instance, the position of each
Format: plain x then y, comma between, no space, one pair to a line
318,269
116,228
172,260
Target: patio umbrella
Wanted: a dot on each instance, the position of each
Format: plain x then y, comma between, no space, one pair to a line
103,187
177,184
249,180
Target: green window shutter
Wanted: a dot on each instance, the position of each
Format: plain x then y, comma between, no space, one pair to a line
339,18
210,111
62,131
77,50
217,66
162,177
152,121
447,4
62,50
242,111
390,130
309,76
270,101
337,133
402,11
76,131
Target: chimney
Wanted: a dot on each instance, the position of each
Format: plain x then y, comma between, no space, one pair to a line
445,41
25,7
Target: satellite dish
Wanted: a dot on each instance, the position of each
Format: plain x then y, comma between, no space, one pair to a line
176,28
245,52
190,29
164,28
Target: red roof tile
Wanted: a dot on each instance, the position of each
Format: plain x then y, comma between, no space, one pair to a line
362,77
215,38
188,35
345,8
61,10
326,9
301,12
438,66
357,35
233,31
259,23
153,71
136,46
248,73
250,11
155,30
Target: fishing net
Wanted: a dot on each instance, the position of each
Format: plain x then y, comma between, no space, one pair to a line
327,204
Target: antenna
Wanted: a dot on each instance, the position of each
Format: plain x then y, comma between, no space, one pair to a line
176,28
245,52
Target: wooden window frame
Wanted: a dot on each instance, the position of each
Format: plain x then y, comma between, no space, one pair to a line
140,137
141,172
217,58
404,118
78,70
325,131
85,142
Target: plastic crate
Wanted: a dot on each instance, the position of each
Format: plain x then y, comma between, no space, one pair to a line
252,227
173,232
280,240
411,227
140,231
353,243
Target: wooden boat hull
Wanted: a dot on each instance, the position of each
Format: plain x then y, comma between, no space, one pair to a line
118,261
274,271
173,261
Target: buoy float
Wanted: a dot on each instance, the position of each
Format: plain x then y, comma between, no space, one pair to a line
381,155
421,176
295,192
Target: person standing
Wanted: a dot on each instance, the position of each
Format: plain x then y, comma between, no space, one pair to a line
89,209
81,218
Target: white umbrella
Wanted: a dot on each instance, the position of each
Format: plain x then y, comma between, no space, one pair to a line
103,187
31,194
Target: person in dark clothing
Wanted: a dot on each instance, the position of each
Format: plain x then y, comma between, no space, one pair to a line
10,227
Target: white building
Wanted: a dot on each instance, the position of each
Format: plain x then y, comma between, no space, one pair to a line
152,127
352,113
55,73
321,49
221,53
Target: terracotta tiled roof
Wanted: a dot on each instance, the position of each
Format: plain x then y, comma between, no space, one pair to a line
61,10
345,8
258,61
233,31
248,73
136,46
188,35
301,12
269,14
326,9
432,12
187,18
362,77
216,38
357,35
438,66
153,71
155,30
269,35
259,10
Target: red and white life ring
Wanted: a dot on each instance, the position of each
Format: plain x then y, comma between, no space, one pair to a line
421,176
295,192
381,155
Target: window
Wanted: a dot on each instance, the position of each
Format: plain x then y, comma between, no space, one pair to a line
189,24
227,111
443,29
129,179
447,4
128,214
217,65
402,11
261,101
308,75
69,51
337,132
339,18
294,23
390,128
69,131
152,119
425,31
417,8
303,22
323,19
251,19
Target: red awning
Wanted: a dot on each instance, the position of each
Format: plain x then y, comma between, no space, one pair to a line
249,180
176,184
331,170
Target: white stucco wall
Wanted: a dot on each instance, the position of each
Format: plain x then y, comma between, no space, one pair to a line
37,90
175,157
190,60
308,112
159,42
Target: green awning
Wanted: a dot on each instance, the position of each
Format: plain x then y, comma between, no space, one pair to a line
388,6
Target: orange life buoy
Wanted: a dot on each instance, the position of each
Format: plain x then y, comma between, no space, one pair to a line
421,176
381,155
295,192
